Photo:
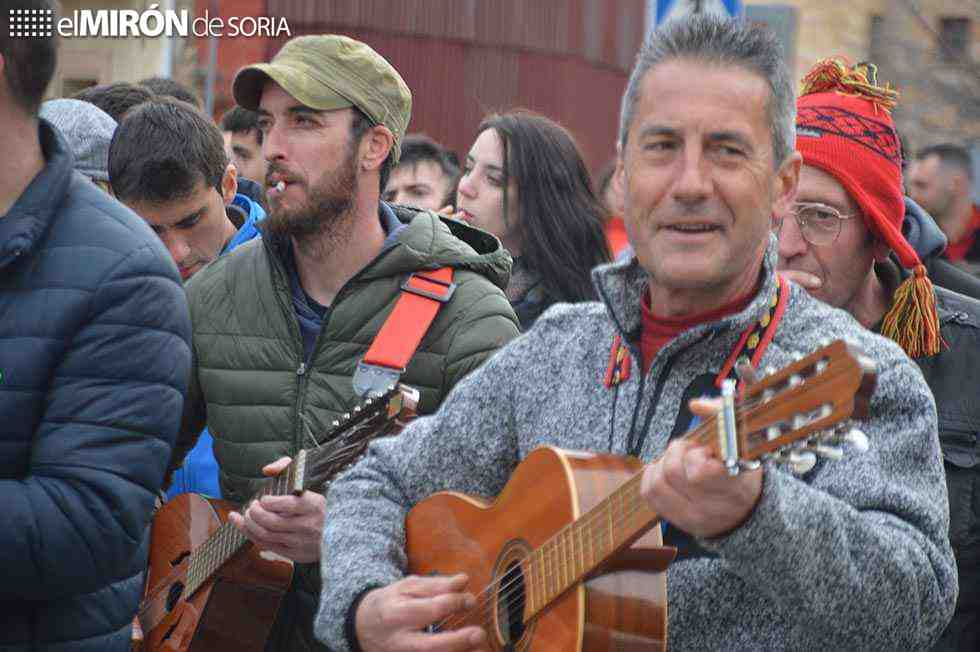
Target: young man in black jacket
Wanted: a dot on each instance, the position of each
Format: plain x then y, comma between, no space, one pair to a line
94,360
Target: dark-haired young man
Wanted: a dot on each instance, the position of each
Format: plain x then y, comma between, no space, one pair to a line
284,326
183,185
425,177
186,190
243,143
94,359
115,99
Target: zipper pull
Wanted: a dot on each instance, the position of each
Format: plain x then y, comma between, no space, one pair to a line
302,369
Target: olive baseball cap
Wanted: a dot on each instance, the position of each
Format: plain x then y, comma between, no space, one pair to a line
329,72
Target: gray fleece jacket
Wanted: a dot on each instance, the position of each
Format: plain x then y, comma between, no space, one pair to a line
853,555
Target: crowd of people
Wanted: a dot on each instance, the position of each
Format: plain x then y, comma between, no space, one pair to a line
187,304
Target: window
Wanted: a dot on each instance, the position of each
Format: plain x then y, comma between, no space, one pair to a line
954,39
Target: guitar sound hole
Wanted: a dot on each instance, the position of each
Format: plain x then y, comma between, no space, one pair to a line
174,595
510,604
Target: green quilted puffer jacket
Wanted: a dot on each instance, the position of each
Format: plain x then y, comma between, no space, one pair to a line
249,382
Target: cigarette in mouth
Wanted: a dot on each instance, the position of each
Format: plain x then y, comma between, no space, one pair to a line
281,186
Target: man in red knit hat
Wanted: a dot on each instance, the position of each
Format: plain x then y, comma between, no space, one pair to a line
843,242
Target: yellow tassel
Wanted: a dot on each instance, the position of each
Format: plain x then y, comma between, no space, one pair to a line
837,75
912,321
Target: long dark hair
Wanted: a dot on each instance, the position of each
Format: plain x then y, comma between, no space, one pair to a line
560,223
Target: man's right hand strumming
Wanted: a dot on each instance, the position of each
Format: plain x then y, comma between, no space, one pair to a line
391,619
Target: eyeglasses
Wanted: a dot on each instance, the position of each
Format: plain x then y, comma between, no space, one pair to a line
819,224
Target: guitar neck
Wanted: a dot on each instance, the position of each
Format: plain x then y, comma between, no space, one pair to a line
583,546
310,469
227,541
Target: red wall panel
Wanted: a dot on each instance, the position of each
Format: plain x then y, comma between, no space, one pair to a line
567,59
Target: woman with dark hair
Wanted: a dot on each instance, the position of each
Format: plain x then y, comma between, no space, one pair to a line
526,183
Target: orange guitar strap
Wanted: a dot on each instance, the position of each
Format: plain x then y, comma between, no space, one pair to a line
423,293
750,346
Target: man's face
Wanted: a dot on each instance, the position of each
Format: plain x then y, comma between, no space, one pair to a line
420,184
194,229
246,153
844,265
930,188
699,180
311,152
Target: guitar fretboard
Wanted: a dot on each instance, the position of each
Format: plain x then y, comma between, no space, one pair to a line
586,543
227,540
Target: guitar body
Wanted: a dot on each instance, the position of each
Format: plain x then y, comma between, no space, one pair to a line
622,606
235,609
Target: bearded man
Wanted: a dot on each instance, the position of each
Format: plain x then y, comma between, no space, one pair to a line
282,326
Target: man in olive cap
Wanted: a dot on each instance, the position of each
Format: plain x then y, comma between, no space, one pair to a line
282,326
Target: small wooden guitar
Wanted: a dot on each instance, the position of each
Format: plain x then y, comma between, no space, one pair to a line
208,587
568,552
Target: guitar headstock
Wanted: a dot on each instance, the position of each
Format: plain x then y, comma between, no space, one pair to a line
349,436
794,414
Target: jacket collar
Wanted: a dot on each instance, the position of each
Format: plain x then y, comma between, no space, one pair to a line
29,218
621,285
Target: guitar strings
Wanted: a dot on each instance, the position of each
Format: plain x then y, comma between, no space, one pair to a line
509,593
486,596
221,544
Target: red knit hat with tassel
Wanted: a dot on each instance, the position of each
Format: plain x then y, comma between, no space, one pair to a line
844,127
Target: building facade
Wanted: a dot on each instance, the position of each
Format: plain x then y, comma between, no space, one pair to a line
929,50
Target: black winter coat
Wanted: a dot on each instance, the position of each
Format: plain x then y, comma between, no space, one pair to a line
94,360
954,378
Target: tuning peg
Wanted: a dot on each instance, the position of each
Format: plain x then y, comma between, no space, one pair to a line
773,432
346,416
824,341
796,356
798,461
749,465
795,379
829,452
858,440
335,424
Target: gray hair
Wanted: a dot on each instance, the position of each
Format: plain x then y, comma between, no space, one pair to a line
711,39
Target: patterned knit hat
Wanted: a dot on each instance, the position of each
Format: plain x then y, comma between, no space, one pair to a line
844,127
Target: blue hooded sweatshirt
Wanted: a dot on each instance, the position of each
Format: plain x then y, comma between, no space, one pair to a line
199,474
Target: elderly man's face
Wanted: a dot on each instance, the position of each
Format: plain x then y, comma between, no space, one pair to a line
843,264
700,181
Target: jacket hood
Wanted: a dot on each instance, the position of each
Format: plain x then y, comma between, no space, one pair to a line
431,241
922,232
249,213
620,286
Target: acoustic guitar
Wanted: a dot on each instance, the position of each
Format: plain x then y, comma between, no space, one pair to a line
208,587
567,556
